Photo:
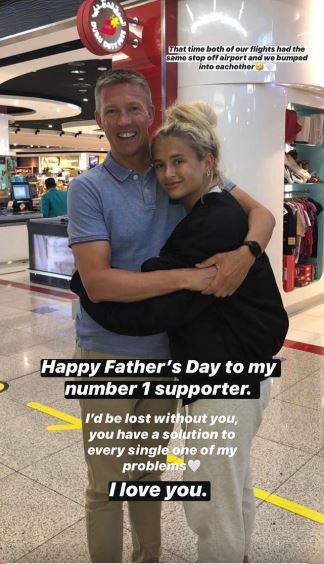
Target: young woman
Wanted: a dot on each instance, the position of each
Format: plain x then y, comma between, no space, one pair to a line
248,326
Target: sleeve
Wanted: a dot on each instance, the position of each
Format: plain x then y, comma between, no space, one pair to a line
86,215
45,205
148,317
228,184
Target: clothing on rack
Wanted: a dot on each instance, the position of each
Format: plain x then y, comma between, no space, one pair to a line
301,227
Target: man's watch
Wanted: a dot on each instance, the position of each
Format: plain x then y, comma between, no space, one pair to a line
254,248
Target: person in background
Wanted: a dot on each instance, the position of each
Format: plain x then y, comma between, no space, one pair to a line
54,201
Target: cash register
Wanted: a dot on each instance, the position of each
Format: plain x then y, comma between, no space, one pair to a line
21,197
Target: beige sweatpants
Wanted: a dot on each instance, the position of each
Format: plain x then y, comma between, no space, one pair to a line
105,518
224,524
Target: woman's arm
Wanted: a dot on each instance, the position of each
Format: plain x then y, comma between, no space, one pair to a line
234,266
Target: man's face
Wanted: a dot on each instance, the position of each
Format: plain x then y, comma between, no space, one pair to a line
124,116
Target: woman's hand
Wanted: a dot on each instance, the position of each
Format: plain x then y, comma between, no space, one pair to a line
232,270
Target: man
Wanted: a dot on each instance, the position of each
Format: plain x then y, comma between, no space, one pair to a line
54,201
119,217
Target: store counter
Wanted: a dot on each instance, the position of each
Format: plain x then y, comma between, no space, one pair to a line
51,260
14,235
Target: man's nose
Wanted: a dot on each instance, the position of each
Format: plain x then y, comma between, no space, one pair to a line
124,118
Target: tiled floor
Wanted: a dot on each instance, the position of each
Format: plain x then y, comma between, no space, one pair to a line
42,473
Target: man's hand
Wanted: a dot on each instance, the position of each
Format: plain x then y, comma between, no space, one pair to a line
198,279
232,268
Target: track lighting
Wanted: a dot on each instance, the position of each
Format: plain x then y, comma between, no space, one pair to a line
100,136
37,131
78,133
17,129
61,133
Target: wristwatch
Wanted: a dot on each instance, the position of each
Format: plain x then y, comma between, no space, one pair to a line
254,248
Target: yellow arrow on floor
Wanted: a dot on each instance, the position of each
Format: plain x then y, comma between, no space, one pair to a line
3,386
73,422
291,506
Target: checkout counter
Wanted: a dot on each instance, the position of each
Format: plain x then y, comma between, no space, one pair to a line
14,235
51,260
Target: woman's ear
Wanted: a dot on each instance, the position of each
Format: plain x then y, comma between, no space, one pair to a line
209,163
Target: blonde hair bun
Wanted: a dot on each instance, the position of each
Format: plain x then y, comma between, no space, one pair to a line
197,114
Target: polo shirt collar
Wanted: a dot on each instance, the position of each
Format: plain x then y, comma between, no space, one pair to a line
116,170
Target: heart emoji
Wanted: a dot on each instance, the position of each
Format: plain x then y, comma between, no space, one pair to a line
259,66
194,465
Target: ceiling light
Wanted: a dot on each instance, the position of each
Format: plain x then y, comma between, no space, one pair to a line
77,64
83,90
81,78
16,102
77,71
102,149
85,99
47,146
58,109
102,68
15,144
32,145
50,125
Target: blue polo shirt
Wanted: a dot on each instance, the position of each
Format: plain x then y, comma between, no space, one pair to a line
132,212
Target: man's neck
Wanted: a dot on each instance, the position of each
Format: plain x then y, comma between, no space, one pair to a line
140,163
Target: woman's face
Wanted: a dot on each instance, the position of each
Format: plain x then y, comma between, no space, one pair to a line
181,174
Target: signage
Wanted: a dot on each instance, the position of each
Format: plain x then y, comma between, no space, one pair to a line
102,26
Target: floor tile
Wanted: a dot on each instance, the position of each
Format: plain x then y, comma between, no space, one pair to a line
12,367
35,388
309,392
273,464
312,324
69,463
292,425
24,440
5,471
176,535
30,515
296,366
281,536
306,486
50,349
14,341
10,409
302,336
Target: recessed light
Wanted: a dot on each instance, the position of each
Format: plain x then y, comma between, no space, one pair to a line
58,109
77,64
81,78
83,90
102,68
77,71
85,99
47,146
50,125
32,145
15,144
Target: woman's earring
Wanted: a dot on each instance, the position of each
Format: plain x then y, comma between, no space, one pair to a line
208,172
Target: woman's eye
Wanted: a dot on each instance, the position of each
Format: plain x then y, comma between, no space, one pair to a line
158,165
178,161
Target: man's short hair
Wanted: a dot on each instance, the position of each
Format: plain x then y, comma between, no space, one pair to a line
50,183
122,76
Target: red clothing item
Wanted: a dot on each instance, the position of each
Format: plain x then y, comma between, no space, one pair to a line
292,126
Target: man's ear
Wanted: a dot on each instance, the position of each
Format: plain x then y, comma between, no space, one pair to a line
151,113
98,118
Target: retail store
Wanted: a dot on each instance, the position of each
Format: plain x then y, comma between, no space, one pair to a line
270,126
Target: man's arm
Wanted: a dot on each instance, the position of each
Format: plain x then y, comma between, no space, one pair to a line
103,283
234,266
